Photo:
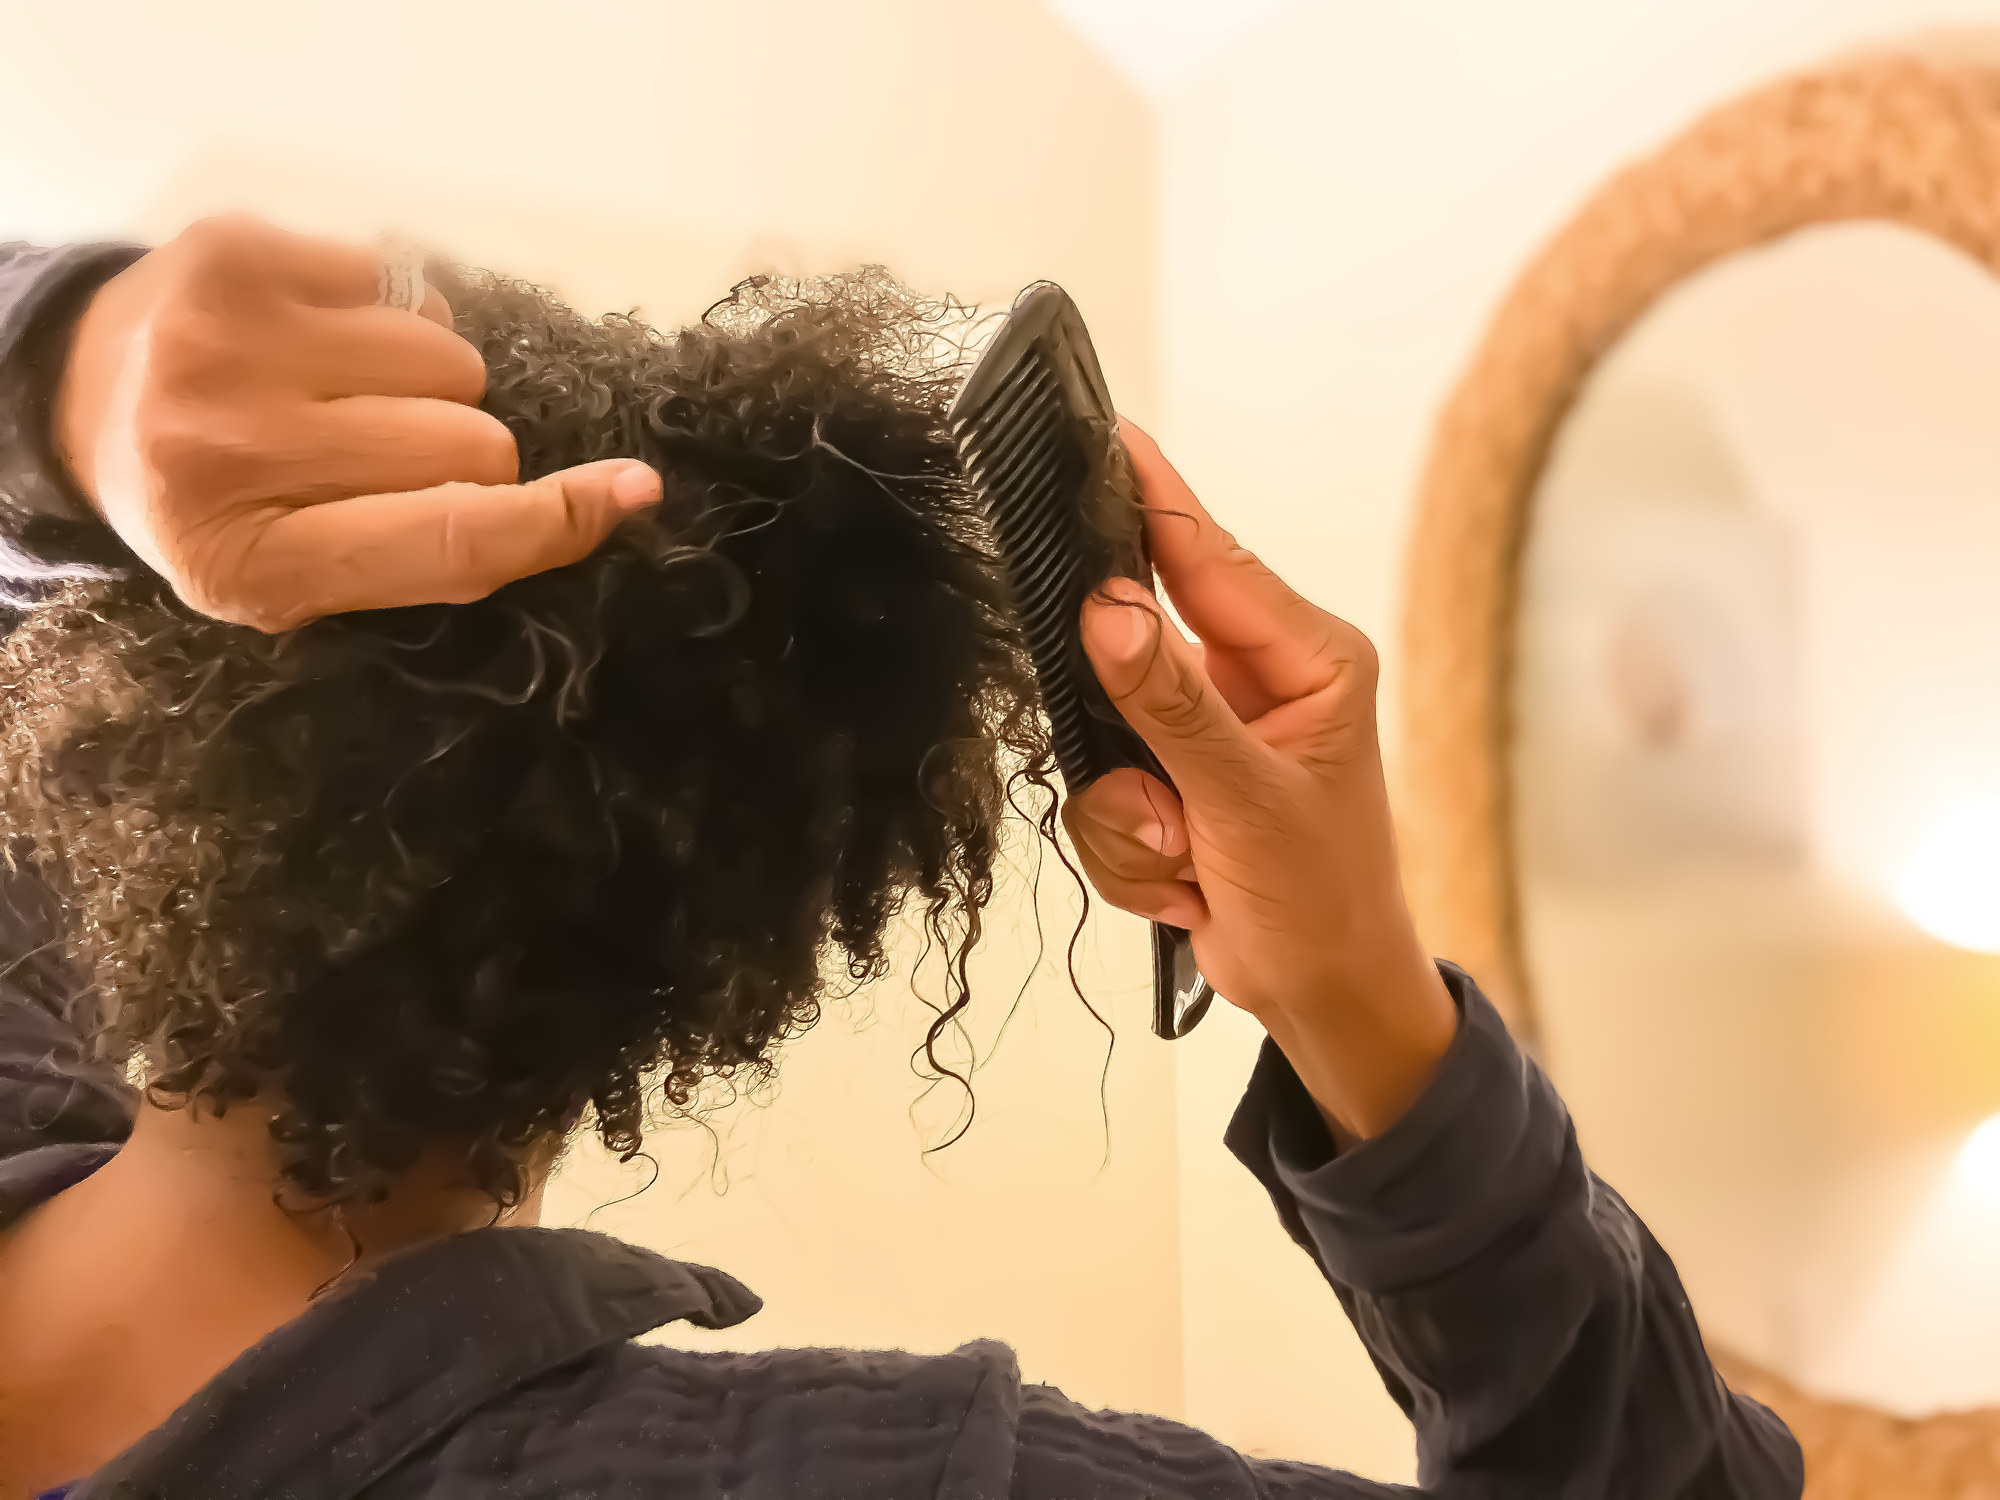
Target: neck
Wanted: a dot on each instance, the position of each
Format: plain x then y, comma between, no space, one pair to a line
124,1295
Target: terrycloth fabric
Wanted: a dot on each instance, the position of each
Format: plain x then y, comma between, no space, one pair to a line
1517,1309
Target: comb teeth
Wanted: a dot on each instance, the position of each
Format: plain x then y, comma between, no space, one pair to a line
1020,448
1032,426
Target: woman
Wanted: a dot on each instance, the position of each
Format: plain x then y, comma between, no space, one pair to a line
384,909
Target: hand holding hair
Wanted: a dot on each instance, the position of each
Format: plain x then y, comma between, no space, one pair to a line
279,448
1278,853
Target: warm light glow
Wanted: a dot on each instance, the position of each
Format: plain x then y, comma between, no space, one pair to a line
1158,43
1978,1163
1951,888
1919,1335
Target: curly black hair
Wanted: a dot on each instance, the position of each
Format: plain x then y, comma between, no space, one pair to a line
474,873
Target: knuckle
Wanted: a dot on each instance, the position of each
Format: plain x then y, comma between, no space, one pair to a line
1299,612
577,521
1083,809
486,452
190,350
455,544
191,455
223,247
269,617
1119,852
464,375
469,571
204,238
1111,886
1130,860
1358,650
1180,713
205,601
227,229
1339,644
212,596
1182,702
233,574
171,442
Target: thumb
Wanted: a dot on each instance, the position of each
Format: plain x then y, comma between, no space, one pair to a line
446,545
1156,681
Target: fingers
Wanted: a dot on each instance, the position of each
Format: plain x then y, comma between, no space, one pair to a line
445,545
1226,595
1135,806
1131,835
334,450
1156,682
235,254
232,254
435,307
330,338
326,273
1175,902
381,351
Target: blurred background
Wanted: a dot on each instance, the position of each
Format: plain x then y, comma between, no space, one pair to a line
1758,740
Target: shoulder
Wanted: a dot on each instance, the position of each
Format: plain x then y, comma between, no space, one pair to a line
835,1422
636,1418
1065,1449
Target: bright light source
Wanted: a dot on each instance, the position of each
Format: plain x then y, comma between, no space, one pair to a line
1952,886
1978,1163
1157,43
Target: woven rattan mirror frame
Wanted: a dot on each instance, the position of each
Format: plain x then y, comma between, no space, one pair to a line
1909,140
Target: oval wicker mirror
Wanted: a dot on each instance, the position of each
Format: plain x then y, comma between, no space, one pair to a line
1905,141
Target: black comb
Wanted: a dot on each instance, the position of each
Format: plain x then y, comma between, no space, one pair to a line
1038,436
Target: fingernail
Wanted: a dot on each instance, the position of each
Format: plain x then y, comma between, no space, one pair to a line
1152,833
637,488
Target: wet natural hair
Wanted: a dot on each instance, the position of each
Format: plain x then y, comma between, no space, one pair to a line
472,873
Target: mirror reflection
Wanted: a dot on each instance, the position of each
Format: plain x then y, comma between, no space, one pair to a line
1757,721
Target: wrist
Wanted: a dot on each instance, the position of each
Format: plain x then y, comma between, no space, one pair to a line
1361,952
1366,1030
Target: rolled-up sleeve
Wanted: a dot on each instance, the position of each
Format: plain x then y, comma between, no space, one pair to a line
47,530
1519,1312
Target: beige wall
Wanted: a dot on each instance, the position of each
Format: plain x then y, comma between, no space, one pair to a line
1286,258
